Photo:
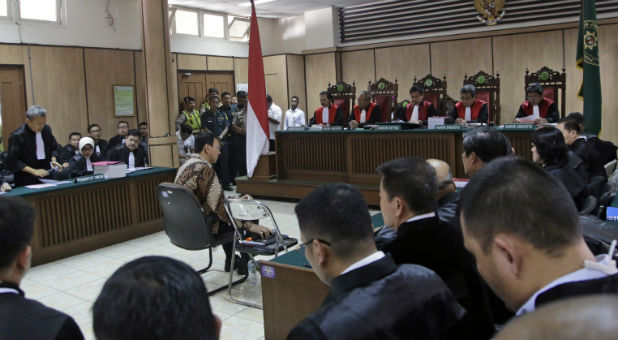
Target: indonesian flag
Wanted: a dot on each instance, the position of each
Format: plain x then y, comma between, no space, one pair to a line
257,112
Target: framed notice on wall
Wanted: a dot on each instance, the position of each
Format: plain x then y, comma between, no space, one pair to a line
123,100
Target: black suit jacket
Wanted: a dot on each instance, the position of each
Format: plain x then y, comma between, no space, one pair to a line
121,154
65,154
590,156
447,209
436,245
604,285
22,153
115,141
383,301
22,318
574,183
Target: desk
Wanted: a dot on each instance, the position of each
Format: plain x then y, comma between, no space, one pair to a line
80,217
290,292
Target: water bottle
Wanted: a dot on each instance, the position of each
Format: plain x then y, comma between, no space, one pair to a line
252,279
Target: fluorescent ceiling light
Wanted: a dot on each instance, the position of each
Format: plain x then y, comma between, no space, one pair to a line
257,2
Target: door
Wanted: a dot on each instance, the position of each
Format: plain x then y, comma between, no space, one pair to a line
222,81
191,84
12,102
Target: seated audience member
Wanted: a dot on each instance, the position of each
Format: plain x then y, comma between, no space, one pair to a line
100,145
481,145
22,318
130,153
448,197
408,191
81,164
274,120
144,136
294,117
549,151
120,138
586,317
33,150
189,116
71,149
154,297
186,142
370,296
197,174
469,109
606,149
537,109
579,145
529,254
418,110
365,112
328,113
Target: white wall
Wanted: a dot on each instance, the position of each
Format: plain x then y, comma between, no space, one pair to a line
84,24
321,27
284,35
209,46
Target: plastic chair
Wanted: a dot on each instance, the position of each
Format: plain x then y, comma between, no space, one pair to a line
248,210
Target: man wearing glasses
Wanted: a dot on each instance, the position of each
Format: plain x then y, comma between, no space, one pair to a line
469,109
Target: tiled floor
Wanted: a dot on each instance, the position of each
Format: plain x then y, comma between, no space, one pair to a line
72,284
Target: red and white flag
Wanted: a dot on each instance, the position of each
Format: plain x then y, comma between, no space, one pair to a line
257,112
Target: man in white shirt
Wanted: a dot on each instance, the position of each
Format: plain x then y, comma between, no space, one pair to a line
294,117
526,236
186,143
274,120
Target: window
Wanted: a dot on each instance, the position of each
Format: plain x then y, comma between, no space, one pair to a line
238,28
40,10
4,8
214,26
186,22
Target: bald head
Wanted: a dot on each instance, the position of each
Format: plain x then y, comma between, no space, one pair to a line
588,317
445,176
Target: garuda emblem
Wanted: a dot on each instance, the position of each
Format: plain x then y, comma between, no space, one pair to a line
490,11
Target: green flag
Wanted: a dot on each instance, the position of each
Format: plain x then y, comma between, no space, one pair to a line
588,61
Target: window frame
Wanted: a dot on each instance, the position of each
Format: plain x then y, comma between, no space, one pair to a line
201,28
60,6
239,18
186,9
9,11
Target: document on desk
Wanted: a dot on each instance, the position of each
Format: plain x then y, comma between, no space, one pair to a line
526,119
40,186
139,168
53,181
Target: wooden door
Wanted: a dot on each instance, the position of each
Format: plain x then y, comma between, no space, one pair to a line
12,101
222,81
193,85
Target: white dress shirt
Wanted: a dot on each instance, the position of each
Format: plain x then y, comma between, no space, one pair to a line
40,146
131,160
420,217
468,115
365,261
294,118
325,115
274,112
89,165
97,149
363,117
414,115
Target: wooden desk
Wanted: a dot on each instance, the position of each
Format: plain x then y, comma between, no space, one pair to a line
292,292
76,218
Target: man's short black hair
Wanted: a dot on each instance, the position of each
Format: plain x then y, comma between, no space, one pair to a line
189,99
570,125
122,121
416,88
16,228
184,128
412,179
550,145
74,133
468,88
241,93
204,138
295,97
486,143
213,90
535,88
225,94
213,97
508,195
154,297
269,99
142,124
327,94
134,132
336,213
577,117
93,125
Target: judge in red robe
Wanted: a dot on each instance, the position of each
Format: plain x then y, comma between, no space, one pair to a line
418,110
469,109
328,113
537,107
365,112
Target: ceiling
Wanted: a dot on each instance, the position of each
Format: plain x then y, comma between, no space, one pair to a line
275,9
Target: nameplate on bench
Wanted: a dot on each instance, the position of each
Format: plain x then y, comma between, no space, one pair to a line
449,127
297,128
332,128
519,126
389,127
89,178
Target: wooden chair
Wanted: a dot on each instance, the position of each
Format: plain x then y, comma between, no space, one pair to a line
384,93
487,89
552,81
434,91
344,96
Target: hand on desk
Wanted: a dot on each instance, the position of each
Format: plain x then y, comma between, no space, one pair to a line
419,122
353,124
40,172
258,229
6,187
460,121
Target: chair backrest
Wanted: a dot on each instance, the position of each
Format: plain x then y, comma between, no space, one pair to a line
487,89
434,91
344,96
384,93
185,222
552,81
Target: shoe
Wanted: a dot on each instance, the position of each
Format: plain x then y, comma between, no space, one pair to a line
242,268
228,263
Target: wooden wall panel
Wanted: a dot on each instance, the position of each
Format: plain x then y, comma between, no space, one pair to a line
275,74
220,63
456,58
574,76
105,68
512,54
358,67
11,54
320,69
140,86
296,80
191,62
403,63
58,82
241,70
174,89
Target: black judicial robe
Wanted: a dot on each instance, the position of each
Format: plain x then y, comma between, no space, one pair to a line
66,153
115,141
121,154
22,153
103,146
22,318
78,167
383,301
434,244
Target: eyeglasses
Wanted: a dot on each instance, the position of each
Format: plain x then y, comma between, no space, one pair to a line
316,239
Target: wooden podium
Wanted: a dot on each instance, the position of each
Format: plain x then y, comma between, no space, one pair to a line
266,168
